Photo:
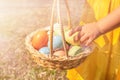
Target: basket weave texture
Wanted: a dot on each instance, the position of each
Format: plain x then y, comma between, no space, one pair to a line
50,61
61,63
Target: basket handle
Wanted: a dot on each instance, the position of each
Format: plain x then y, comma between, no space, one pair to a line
68,14
61,26
60,22
51,29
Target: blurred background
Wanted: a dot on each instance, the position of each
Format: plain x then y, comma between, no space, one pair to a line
18,18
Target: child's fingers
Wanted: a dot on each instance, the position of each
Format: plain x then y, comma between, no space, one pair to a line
83,38
74,30
78,28
88,41
83,43
71,32
77,37
81,33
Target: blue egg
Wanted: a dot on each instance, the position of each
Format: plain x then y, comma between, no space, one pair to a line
57,42
44,50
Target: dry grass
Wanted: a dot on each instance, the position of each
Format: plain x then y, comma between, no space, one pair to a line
15,64
15,24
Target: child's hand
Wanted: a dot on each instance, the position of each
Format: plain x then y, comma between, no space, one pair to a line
87,33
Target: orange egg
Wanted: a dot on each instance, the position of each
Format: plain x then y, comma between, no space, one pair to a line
59,53
40,39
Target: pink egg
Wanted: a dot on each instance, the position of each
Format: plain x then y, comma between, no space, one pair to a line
59,53
67,47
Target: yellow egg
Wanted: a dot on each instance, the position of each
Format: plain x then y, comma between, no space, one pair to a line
59,53
70,39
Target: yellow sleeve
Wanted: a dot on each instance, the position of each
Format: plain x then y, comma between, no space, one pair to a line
104,61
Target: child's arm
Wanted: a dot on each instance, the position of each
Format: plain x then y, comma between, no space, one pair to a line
91,31
109,22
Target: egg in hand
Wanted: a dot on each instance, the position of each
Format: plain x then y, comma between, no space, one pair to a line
70,39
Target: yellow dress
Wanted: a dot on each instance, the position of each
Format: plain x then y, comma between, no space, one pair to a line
103,63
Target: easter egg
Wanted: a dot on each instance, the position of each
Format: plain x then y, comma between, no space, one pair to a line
57,29
59,53
70,39
40,39
57,42
44,50
74,50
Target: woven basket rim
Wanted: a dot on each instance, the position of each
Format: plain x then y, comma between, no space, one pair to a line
36,53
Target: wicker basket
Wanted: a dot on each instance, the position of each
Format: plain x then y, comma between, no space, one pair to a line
54,62
62,63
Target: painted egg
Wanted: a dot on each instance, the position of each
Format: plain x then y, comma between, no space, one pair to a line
59,53
44,50
57,42
40,39
57,29
74,50
70,39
